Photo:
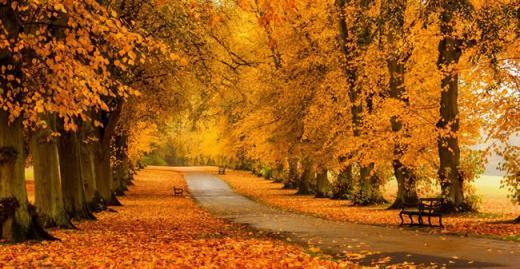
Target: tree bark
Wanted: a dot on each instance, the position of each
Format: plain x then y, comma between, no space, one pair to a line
292,176
72,177
47,177
278,173
102,151
104,177
304,183
344,186
122,166
406,186
450,51
24,225
94,200
323,185
369,191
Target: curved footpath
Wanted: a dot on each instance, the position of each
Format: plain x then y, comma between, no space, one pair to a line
339,237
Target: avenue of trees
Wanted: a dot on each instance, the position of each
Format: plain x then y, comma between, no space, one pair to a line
334,98
82,83
296,90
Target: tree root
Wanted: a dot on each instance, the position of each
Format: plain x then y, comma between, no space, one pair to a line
114,201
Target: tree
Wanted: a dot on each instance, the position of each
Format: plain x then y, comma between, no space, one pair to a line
57,73
393,17
48,177
353,39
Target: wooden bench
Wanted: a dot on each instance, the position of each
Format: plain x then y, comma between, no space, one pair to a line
221,170
427,207
178,191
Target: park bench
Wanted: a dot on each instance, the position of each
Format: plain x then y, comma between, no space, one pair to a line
178,191
427,207
221,170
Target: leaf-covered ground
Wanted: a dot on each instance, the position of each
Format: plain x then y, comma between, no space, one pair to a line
488,224
155,230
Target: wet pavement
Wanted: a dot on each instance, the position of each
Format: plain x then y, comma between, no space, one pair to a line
340,237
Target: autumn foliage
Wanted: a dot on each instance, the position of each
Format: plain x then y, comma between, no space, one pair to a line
370,91
155,230
332,99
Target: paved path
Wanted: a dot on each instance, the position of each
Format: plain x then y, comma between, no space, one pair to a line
337,237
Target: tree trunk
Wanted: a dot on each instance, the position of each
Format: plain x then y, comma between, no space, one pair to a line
406,186
24,224
344,186
122,166
72,177
278,173
323,185
47,178
266,172
304,183
396,62
257,168
103,153
94,200
450,51
292,176
369,191
104,177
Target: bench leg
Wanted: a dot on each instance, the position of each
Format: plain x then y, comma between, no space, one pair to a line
411,219
402,220
430,220
440,222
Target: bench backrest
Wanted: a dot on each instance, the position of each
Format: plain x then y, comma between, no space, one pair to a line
431,204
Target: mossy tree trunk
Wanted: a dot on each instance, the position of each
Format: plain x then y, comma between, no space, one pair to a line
304,183
323,185
292,174
344,186
278,172
369,191
47,177
24,225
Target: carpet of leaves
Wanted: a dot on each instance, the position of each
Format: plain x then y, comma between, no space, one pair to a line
155,230
489,224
